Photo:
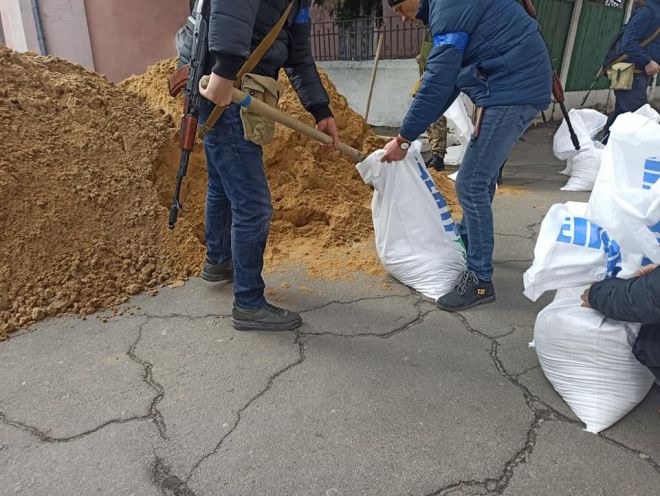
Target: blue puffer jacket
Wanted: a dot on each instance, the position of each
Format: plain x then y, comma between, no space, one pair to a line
237,27
489,49
642,24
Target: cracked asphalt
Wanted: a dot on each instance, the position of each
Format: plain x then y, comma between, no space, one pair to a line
379,393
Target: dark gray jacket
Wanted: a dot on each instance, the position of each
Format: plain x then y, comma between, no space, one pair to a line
237,26
632,300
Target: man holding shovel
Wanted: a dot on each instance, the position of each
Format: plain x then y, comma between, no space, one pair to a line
238,203
492,51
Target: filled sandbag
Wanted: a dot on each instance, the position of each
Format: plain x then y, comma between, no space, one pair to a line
588,359
570,251
416,237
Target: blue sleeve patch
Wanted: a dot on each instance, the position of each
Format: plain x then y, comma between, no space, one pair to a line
458,40
304,16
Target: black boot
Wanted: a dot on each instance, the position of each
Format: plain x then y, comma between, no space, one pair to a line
267,318
436,162
469,292
213,272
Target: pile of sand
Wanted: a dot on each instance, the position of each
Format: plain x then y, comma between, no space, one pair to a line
87,170
81,224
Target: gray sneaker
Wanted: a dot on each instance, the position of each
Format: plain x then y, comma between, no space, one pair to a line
213,272
267,318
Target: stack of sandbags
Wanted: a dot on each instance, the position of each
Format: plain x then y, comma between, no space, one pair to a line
588,358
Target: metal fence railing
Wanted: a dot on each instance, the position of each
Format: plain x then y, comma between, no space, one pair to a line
356,39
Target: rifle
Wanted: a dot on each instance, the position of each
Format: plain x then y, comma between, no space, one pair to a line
190,75
557,88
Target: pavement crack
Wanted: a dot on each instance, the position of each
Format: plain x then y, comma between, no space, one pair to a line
46,438
526,371
417,320
542,413
509,235
148,378
239,414
532,229
350,302
169,484
152,415
639,454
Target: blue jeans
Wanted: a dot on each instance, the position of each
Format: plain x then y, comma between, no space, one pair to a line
238,205
477,179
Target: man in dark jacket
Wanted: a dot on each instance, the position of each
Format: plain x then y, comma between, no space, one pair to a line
492,51
238,203
633,300
644,21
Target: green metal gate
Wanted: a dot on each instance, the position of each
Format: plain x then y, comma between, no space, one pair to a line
598,25
555,20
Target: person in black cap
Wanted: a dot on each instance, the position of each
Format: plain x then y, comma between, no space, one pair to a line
492,52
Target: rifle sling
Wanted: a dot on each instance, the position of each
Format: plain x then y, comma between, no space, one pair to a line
250,63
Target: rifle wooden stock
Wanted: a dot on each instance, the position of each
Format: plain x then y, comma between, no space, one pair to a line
557,88
179,80
529,8
188,132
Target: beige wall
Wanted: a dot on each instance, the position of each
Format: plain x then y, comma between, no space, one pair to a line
65,28
18,25
64,24
129,35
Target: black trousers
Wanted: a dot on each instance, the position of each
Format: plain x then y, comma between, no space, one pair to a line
629,100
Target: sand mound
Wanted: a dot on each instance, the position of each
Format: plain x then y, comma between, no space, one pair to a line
81,226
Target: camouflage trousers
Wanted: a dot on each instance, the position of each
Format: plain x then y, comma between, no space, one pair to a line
438,137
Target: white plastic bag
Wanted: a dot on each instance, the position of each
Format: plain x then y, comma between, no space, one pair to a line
459,120
455,155
570,251
583,164
629,167
583,168
589,361
650,112
637,216
416,237
587,123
